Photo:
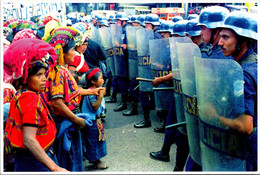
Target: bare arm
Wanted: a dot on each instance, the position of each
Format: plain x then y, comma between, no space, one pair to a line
97,104
85,92
159,80
29,140
243,123
62,109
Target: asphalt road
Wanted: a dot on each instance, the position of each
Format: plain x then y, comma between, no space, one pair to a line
128,147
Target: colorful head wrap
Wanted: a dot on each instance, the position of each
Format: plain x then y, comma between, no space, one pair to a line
84,32
59,38
23,52
92,73
26,33
48,19
48,28
23,24
12,23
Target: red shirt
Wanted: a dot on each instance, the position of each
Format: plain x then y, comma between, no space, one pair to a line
79,63
28,109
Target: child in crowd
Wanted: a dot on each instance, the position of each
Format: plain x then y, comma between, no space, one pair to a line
95,146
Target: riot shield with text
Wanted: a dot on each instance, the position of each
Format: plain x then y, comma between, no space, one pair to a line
220,94
144,62
120,58
188,97
161,66
132,52
106,42
178,97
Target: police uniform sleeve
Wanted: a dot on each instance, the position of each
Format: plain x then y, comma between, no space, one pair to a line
250,93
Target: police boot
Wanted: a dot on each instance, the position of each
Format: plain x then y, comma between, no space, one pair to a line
146,123
122,106
132,111
112,99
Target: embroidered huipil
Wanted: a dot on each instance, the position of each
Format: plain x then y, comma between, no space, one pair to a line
63,86
28,109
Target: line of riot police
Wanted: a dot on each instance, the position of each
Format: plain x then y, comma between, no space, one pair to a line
193,72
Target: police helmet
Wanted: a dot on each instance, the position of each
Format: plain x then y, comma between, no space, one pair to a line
122,16
213,17
152,19
112,18
191,27
133,18
177,18
166,26
141,19
99,17
179,28
104,22
193,16
242,23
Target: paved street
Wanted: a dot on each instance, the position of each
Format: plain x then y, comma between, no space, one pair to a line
128,147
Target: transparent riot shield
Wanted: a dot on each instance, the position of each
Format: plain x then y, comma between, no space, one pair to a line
106,42
94,33
186,53
178,97
120,59
144,62
220,94
132,52
161,66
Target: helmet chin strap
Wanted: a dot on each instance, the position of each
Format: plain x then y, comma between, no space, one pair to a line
213,33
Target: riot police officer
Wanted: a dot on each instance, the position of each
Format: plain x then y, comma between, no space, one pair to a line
123,81
210,19
152,21
239,40
193,32
147,98
111,19
139,21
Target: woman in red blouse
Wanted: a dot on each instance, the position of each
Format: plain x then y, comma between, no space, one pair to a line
30,128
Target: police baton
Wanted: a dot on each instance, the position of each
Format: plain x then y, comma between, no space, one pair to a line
164,89
144,79
175,125
148,80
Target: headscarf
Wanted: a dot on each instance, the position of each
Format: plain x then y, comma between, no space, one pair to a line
12,23
22,53
84,32
48,28
23,24
58,39
48,19
26,33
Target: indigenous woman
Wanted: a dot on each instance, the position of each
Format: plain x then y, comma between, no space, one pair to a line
63,96
29,128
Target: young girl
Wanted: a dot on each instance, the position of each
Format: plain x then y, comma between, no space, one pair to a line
95,146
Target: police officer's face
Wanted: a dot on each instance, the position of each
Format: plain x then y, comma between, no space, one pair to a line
228,41
148,25
118,22
165,34
205,34
136,24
